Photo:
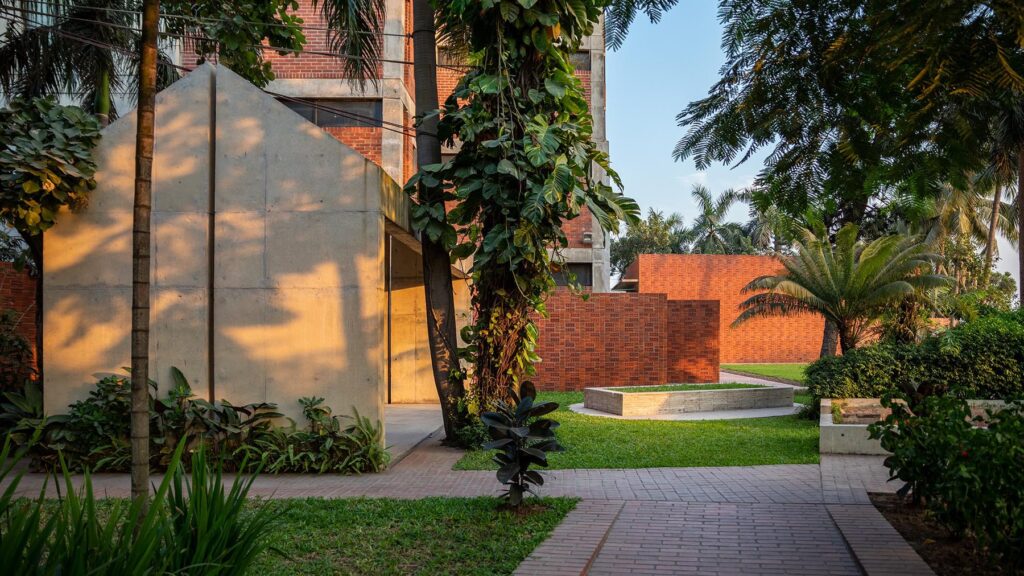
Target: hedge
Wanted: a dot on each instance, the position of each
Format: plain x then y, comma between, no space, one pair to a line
980,359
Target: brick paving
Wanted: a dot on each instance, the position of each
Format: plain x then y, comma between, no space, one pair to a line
784,519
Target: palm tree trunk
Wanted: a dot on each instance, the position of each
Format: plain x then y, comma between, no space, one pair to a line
141,251
1020,221
437,272
829,339
846,340
990,242
103,99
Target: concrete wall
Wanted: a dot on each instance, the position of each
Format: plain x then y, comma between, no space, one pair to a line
296,224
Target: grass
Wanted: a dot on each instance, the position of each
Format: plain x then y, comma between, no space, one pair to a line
686,387
597,442
789,372
465,536
804,399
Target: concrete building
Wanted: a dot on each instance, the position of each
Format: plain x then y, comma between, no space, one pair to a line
369,113
283,263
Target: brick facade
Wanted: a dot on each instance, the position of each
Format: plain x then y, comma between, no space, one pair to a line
625,339
18,293
713,277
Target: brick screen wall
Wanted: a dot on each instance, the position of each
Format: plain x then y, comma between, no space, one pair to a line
18,293
309,65
708,277
693,346
624,339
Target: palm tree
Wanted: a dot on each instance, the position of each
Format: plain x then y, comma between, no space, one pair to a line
141,250
710,233
83,48
849,283
657,234
769,228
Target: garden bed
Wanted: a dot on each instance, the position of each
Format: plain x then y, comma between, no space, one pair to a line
843,424
946,554
676,399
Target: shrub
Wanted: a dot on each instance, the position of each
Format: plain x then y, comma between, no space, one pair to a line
979,359
522,438
970,477
95,434
16,360
188,527
324,446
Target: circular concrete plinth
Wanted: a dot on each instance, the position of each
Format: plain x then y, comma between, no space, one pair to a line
711,415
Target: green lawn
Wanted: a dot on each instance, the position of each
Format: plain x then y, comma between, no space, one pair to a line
686,387
791,372
597,442
385,536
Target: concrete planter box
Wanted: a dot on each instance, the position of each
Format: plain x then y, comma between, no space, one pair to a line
614,401
853,438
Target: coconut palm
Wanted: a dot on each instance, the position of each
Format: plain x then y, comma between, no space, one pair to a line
849,284
87,49
710,233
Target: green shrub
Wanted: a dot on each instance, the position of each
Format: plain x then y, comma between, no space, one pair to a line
325,445
971,478
979,359
95,434
16,360
189,526
522,438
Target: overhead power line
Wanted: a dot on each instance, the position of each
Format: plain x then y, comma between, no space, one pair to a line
359,118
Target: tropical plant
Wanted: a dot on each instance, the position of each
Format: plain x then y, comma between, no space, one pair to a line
46,163
188,527
16,358
967,469
526,164
89,49
212,527
848,284
522,439
657,234
710,233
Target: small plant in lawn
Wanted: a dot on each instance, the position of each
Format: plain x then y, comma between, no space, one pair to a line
522,438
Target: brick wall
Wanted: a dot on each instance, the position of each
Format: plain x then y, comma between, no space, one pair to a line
710,277
693,347
575,228
310,65
624,339
18,293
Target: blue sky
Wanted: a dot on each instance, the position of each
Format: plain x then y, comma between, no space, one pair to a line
660,69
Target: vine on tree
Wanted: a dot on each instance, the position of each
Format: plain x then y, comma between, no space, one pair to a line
526,165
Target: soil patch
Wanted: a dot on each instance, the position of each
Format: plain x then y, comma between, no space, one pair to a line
946,554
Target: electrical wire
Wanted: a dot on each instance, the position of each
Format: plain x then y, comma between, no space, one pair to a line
359,118
216,20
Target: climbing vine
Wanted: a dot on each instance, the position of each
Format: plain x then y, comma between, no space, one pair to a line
526,165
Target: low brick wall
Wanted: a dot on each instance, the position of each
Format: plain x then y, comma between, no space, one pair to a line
625,339
683,401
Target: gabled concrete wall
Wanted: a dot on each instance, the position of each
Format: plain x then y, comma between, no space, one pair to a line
295,220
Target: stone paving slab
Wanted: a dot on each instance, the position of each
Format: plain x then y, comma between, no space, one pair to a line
723,538
688,416
878,547
574,544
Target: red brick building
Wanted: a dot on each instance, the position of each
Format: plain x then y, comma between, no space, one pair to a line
721,278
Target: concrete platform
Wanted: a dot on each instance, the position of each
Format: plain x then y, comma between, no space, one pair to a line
710,415
406,425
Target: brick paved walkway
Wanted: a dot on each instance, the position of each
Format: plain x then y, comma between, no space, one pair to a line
786,519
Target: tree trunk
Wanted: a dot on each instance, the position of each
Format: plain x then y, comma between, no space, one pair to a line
437,272
141,251
35,248
846,340
990,243
103,100
1020,222
829,339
